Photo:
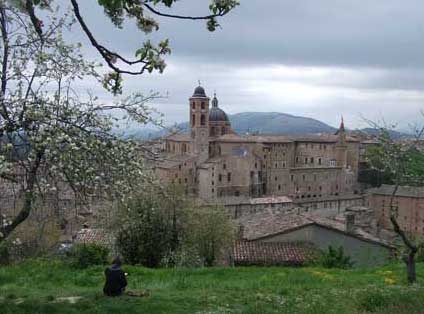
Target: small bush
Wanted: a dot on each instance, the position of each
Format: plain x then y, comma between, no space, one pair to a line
145,240
4,254
373,301
335,258
85,255
183,257
420,254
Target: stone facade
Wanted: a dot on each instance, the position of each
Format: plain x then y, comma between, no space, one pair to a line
363,248
214,162
409,203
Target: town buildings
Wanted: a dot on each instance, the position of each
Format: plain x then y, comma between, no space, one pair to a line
215,164
408,202
271,238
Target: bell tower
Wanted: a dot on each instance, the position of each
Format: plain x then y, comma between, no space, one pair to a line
341,147
199,123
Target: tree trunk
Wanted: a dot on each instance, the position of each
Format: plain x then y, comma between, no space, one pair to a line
28,200
22,216
410,267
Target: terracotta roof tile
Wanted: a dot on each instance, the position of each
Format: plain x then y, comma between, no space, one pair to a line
268,223
272,253
178,137
92,236
406,191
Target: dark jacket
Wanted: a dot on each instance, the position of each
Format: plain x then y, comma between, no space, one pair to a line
115,281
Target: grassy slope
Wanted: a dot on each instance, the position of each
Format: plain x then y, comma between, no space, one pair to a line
33,286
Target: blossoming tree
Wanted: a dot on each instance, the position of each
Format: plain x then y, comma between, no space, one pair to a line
399,160
147,58
51,136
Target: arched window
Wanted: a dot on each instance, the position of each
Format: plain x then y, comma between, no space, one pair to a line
212,131
202,119
193,105
193,120
202,105
223,130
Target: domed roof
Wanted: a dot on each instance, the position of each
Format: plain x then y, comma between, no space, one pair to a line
217,115
199,91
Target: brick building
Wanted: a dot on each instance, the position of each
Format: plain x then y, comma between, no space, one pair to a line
213,162
409,203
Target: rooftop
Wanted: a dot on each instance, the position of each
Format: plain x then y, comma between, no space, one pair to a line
179,137
88,235
266,253
268,223
405,191
172,161
310,138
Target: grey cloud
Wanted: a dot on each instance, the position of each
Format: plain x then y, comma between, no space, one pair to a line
369,56
378,33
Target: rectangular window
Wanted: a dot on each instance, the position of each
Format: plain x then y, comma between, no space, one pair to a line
229,176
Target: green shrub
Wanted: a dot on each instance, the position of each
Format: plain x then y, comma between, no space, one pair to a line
85,255
420,254
148,227
335,258
167,229
183,257
208,232
146,238
4,254
373,301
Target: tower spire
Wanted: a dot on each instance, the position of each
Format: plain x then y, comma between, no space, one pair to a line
342,127
214,100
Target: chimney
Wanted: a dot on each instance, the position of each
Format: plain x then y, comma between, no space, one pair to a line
350,222
241,232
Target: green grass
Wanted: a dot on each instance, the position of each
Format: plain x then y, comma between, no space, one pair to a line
33,287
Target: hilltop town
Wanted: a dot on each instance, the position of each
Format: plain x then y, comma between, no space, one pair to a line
292,180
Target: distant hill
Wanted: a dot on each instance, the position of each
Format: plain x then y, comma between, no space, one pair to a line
277,123
394,134
272,123
255,122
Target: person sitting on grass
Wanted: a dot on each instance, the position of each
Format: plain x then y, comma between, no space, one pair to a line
116,281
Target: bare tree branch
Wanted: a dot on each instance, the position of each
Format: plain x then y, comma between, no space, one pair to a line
222,12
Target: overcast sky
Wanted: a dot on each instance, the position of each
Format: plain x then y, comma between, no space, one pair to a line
315,58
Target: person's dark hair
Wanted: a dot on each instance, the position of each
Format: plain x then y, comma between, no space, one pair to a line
117,261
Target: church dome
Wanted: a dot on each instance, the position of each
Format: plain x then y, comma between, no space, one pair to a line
199,91
217,115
